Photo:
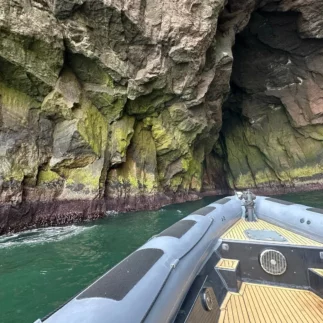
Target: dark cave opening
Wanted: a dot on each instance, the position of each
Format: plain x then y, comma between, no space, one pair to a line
272,115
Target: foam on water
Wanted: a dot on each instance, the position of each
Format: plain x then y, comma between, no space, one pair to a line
111,213
41,235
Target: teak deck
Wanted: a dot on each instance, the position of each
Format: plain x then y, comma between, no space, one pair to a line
237,233
230,264
271,304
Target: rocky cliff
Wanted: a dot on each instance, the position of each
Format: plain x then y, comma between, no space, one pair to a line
118,104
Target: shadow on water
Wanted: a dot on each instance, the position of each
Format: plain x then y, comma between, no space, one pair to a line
42,268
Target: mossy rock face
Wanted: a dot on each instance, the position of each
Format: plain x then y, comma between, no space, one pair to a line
20,135
79,152
80,141
89,71
15,107
49,180
47,176
36,56
93,127
96,97
175,132
178,112
84,176
149,104
67,93
270,152
109,101
83,183
10,171
189,178
99,86
57,107
76,104
312,131
16,77
121,134
139,172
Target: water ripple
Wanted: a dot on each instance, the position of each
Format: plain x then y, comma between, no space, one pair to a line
41,235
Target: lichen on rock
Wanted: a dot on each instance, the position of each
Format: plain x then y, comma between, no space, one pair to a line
121,135
138,174
59,103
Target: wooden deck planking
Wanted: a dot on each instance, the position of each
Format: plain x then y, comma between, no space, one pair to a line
271,304
227,264
237,232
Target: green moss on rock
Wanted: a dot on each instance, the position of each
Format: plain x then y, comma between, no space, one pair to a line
82,176
138,174
84,182
47,176
271,152
178,112
66,94
121,134
40,58
56,106
92,126
148,104
10,171
89,71
15,106
110,104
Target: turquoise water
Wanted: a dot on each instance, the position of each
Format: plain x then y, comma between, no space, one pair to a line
42,268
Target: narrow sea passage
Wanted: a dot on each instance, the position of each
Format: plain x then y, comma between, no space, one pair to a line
42,268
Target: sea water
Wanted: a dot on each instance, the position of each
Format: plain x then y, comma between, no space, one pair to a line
42,268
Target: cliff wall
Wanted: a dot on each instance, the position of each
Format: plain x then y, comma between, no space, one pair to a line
118,104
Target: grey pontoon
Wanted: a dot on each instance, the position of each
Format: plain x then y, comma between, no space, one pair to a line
236,260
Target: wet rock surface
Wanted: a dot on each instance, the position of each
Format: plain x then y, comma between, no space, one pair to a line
118,105
273,117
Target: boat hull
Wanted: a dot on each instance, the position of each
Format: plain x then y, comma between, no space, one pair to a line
185,273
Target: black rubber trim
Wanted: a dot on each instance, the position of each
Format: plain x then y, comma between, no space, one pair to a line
119,281
223,201
204,210
279,201
316,210
178,229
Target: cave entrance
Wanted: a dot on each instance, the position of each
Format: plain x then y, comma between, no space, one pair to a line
272,119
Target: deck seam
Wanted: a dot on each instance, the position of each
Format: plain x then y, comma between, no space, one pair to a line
237,233
258,303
